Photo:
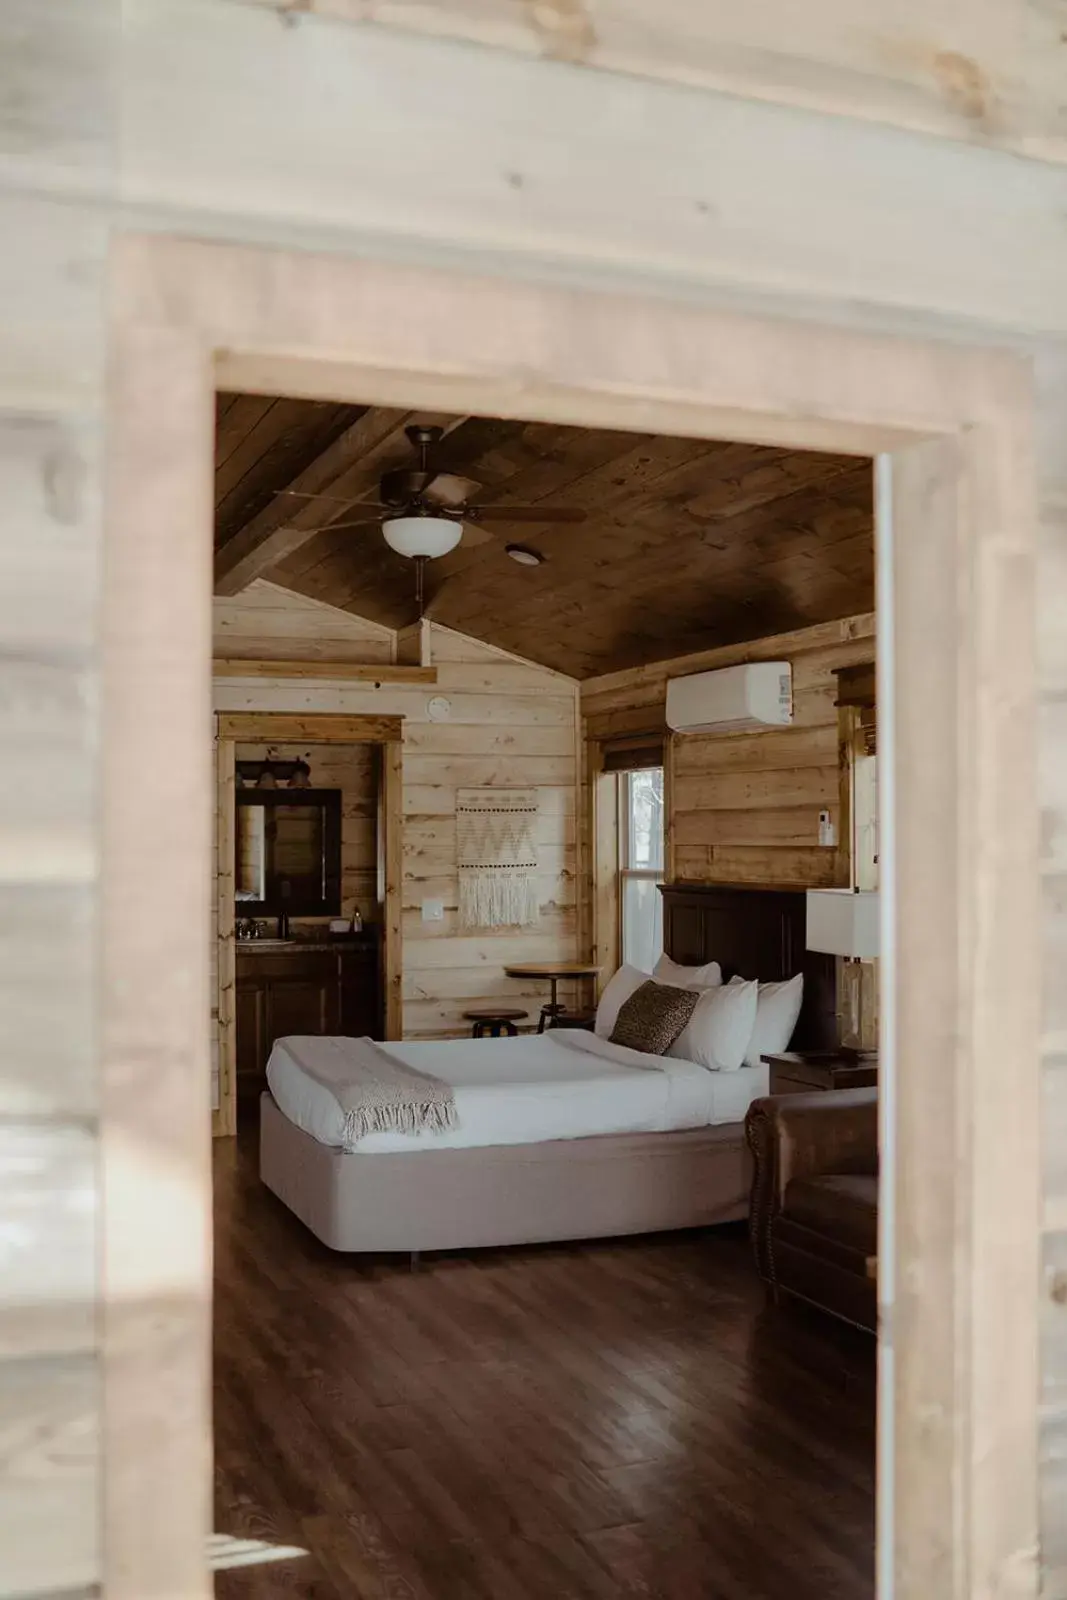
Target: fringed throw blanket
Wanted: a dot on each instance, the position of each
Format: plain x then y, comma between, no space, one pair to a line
497,857
376,1092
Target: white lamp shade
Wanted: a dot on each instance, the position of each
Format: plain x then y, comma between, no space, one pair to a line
842,923
422,536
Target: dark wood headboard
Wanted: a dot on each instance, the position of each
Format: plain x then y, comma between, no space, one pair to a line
758,933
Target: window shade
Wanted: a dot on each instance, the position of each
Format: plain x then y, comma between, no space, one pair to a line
632,755
868,729
856,687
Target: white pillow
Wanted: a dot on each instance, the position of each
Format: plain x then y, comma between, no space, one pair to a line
618,989
777,1010
706,977
717,1034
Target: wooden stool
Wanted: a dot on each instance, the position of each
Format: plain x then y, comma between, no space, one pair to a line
494,1022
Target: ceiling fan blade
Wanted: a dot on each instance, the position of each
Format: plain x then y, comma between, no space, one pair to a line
357,527
448,489
473,536
526,514
338,499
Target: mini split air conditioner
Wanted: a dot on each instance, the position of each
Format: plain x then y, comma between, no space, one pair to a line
732,700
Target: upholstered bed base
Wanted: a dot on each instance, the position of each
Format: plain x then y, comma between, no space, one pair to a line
506,1194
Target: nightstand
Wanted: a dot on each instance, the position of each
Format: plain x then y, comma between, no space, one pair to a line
802,1071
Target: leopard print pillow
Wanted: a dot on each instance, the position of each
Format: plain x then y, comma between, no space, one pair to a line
653,1017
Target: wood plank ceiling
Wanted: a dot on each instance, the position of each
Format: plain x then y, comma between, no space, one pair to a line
687,544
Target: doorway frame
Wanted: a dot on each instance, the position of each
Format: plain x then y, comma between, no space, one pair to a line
282,727
952,429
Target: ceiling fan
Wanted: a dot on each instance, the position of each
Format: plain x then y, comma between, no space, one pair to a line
424,512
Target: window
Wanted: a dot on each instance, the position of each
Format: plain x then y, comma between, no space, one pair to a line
641,865
858,731
864,817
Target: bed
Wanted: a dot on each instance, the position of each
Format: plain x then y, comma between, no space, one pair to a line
644,1150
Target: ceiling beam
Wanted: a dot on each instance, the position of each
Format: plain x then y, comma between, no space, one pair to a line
349,469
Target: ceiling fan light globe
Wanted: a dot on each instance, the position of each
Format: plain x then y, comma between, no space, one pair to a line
422,536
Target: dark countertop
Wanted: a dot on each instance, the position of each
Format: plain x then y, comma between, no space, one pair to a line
282,947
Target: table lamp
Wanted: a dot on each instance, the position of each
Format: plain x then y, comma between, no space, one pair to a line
844,922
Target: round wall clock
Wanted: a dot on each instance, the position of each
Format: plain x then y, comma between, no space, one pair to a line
438,708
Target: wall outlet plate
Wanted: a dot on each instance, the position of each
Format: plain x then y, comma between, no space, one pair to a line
827,831
433,911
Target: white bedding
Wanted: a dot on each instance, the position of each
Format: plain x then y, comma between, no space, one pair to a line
562,1084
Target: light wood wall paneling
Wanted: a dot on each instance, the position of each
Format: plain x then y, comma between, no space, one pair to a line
267,620
981,74
744,807
770,750
413,644
304,698
57,136
512,768
737,791
555,742
439,800
509,723
204,132
50,468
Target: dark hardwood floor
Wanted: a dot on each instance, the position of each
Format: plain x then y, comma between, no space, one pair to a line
589,1421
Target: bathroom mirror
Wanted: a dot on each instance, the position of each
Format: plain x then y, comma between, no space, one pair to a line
287,855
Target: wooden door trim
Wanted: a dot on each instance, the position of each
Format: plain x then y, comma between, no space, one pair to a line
953,426
391,847
604,888
321,727
336,671
224,1114
282,727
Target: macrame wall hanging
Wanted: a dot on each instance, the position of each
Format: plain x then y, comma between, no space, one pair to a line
497,857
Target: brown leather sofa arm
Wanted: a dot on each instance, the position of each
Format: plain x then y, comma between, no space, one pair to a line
802,1135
